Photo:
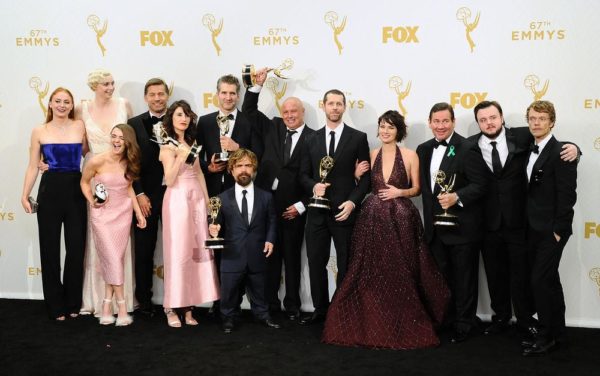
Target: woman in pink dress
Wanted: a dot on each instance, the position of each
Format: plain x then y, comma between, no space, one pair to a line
116,169
190,276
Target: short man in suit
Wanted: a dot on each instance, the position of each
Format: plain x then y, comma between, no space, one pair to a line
239,134
247,216
551,195
505,152
346,146
149,190
284,138
455,248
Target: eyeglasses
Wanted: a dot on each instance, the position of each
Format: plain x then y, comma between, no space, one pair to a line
542,119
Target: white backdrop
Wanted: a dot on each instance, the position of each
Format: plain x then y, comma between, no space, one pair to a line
384,55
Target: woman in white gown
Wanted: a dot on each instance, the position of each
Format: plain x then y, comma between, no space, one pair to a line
100,115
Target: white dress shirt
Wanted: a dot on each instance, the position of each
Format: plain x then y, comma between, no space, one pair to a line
249,198
486,148
533,157
436,161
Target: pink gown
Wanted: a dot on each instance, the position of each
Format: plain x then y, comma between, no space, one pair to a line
111,226
190,276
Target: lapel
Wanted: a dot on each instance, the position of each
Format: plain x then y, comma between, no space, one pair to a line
236,125
298,147
233,205
281,133
426,163
320,144
448,165
544,154
511,143
346,136
254,206
145,118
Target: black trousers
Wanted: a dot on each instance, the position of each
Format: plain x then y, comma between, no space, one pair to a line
61,203
508,274
232,291
145,244
321,227
545,254
459,263
290,234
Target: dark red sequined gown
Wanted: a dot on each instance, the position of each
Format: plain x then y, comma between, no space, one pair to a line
393,295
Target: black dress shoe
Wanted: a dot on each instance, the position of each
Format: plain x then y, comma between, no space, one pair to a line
459,336
292,315
529,336
313,318
228,325
145,310
540,348
269,323
496,327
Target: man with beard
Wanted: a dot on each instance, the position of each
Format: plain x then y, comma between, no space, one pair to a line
505,151
149,189
346,146
248,219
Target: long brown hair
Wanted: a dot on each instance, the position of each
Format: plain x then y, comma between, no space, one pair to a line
132,152
190,133
49,114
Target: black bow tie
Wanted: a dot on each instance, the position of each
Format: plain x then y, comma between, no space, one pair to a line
534,148
154,119
230,116
438,143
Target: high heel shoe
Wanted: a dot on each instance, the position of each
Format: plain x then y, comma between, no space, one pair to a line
172,318
123,321
106,320
189,320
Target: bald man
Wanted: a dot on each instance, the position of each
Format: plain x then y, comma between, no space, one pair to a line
278,173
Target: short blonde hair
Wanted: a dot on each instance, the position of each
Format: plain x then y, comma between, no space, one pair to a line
96,76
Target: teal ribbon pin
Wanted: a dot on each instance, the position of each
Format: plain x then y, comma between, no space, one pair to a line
451,152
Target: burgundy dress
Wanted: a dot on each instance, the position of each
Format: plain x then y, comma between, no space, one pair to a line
393,295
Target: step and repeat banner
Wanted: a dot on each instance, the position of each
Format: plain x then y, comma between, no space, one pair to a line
403,55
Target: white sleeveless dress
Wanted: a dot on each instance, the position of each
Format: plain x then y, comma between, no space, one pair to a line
93,283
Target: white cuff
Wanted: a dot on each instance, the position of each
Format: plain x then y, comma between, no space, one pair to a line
300,207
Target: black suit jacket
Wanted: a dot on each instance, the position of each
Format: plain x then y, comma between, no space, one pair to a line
505,200
552,191
151,175
245,244
352,146
208,136
289,191
470,185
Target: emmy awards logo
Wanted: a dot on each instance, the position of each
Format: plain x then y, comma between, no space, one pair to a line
209,21
36,83
331,18
160,271
531,82
214,205
595,276
249,73
395,83
93,21
332,266
273,84
597,144
445,219
463,14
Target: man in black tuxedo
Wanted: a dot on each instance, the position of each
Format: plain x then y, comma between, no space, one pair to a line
149,190
284,138
347,146
455,248
247,216
551,195
505,152
239,134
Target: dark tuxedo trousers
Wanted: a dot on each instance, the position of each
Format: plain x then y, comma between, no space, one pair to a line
149,183
504,249
243,262
456,250
321,225
290,233
550,200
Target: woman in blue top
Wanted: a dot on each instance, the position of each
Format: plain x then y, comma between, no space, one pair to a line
60,142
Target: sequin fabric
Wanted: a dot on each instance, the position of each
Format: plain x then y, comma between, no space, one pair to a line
393,295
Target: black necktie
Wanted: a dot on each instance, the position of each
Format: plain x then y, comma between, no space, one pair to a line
438,143
245,207
155,119
287,147
496,164
332,144
534,148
